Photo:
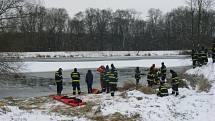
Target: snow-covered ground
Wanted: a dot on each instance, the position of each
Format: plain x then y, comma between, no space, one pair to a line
16,114
53,66
91,54
189,106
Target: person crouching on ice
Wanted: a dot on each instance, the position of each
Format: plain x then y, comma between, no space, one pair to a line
59,81
75,75
163,91
89,81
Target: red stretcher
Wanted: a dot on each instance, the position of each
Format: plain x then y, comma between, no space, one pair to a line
72,101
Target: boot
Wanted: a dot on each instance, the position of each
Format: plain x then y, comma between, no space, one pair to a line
74,93
173,92
176,94
112,94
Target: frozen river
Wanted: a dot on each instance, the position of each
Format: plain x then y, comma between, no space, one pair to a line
42,83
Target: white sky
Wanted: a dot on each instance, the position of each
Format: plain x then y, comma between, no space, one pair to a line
75,6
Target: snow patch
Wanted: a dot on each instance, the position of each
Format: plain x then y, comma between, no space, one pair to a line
190,106
34,115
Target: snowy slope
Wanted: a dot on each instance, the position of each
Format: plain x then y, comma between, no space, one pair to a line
15,114
189,106
193,107
208,71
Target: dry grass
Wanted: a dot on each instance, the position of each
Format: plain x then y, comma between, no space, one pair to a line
116,117
130,85
199,83
204,85
146,89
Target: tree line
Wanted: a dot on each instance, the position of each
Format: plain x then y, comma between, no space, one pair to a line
25,26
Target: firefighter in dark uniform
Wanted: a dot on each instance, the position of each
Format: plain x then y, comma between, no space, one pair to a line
194,58
113,78
59,81
205,56
198,53
106,80
151,75
75,75
201,56
137,75
213,51
175,83
163,91
163,71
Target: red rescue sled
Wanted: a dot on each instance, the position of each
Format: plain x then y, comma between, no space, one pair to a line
72,101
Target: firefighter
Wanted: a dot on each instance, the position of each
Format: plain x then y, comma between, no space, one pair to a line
201,56
59,81
151,75
205,56
163,71
194,58
106,80
163,91
75,75
213,51
137,75
156,78
175,83
113,78
89,81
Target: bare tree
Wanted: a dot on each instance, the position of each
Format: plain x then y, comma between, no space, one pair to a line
8,19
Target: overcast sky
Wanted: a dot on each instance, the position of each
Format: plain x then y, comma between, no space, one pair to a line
75,6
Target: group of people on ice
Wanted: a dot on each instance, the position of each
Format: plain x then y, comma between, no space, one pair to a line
200,55
109,79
